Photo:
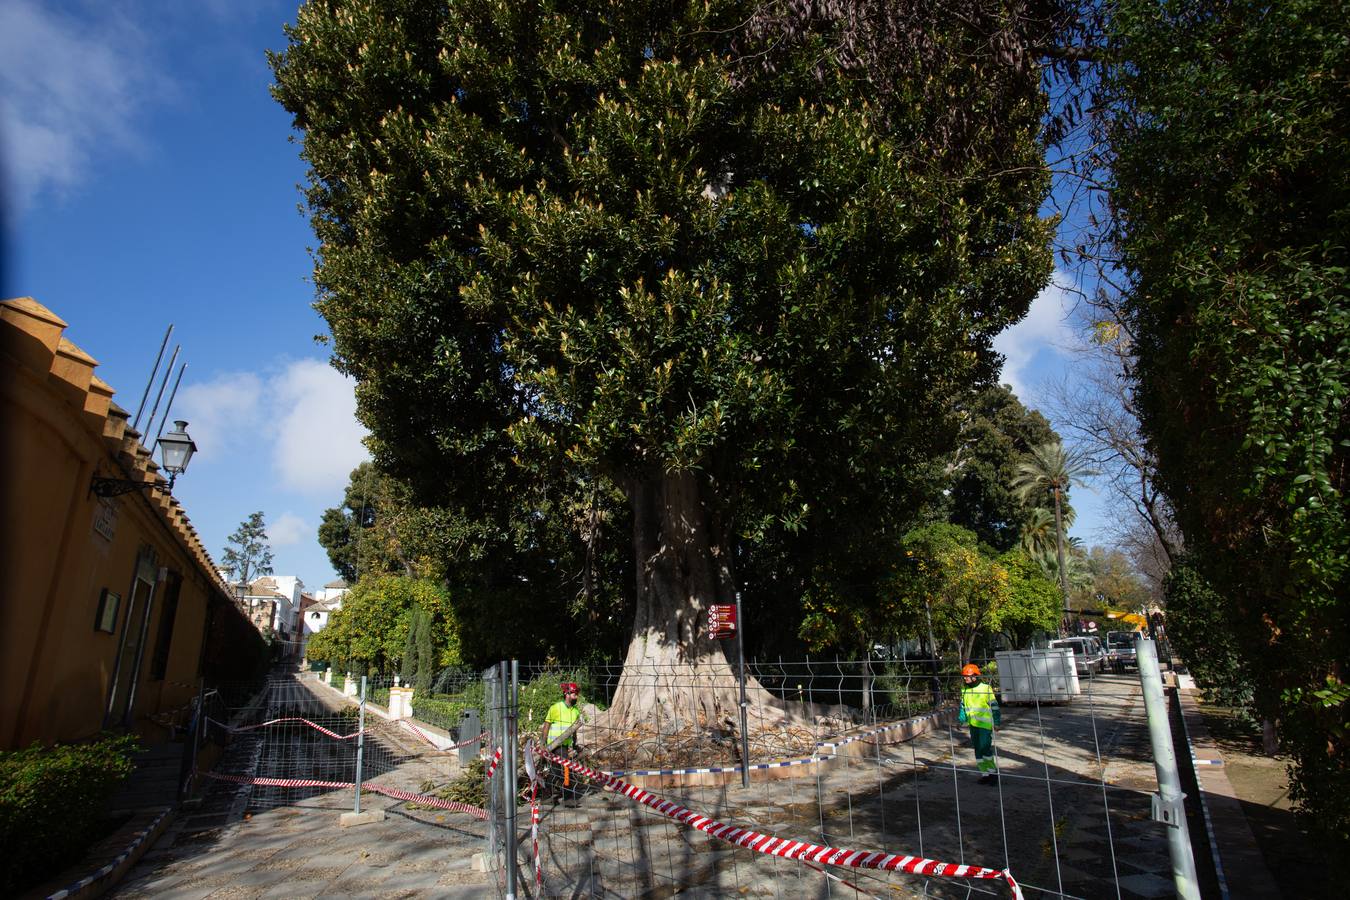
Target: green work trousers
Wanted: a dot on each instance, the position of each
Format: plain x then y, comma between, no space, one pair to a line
982,741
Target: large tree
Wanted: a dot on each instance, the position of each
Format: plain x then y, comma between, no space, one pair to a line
1230,127
247,554
370,632
997,431
1047,472
652,246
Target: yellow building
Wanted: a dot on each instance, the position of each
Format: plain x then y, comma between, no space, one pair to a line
112,609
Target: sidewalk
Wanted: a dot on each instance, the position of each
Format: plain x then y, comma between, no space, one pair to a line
302,852
1242,867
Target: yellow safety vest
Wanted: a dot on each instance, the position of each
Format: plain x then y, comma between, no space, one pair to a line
561,717
979,706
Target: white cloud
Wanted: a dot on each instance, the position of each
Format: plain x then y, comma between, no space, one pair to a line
223,414
318,437
71,90
1045,330
301,418
288,529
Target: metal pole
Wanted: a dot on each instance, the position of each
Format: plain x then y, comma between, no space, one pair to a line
935,683
150,422
360,743
509,778
151,382
1168,803
740,659
168,409
198,724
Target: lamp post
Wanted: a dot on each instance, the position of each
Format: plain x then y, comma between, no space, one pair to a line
175,449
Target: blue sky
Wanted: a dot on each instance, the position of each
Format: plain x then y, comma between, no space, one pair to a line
149,179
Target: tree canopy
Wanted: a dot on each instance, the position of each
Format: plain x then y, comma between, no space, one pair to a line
1230,128
997,433
371,629
565,247
247,554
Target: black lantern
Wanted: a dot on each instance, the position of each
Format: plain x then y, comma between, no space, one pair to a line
175,450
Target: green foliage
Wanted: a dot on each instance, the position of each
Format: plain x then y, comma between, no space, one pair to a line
1202,630
997,432
1115,583
536,696
51,799
1034,601
444,710
542,691
968,592
1043,478
572,251
247,555
470,787
371,629
380,529
420,637
1231,130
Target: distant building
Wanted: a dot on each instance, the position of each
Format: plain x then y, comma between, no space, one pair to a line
272,604
332,593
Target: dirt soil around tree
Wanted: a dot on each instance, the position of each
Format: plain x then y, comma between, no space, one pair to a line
1262,785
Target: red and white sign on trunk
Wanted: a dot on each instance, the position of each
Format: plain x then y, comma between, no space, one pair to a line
722,620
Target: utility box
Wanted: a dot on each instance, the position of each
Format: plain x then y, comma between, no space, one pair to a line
469,728
1037,676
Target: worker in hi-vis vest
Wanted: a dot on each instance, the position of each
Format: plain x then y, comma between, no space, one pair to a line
979,710
560,717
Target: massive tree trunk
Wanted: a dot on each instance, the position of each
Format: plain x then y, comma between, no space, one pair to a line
674,675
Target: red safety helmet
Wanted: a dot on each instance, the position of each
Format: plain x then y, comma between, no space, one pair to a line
969,669
570,686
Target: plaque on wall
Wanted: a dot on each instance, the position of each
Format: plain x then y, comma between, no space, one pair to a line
106,620
105,519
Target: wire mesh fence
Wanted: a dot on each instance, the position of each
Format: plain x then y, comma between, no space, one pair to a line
853,755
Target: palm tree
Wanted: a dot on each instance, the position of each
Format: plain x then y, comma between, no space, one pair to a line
1049,468
1037,533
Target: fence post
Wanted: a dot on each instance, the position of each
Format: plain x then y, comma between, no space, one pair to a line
1168,805
360,743
188,769
492,709
740,661
509,777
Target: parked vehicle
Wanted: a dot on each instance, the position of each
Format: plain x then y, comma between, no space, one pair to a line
1088,655
1120,652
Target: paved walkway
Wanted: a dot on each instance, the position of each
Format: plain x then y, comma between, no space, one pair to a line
302,852
1070,816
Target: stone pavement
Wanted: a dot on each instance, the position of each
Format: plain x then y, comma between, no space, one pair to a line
302,852
1069,816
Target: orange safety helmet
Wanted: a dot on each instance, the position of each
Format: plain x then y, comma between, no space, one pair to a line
969,669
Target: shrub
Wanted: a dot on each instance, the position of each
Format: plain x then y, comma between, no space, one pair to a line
50,800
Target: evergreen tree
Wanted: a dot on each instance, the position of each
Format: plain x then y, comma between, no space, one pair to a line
663,249
1048,471
1230,128
247,555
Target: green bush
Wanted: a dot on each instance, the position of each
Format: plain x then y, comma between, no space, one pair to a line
51,799
536,696
443,710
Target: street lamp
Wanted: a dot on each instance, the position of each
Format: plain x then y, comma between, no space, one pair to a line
175,449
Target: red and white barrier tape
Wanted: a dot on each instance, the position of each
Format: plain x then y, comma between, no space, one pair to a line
533,774
320,728
496,760
785,847
433,742
422,799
